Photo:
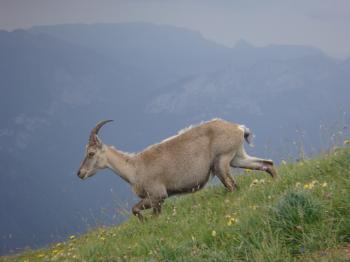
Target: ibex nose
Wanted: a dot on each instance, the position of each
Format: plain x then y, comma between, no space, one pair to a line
80,174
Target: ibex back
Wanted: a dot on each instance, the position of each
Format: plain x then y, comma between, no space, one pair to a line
179,164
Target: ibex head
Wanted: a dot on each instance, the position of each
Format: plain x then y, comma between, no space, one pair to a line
95,158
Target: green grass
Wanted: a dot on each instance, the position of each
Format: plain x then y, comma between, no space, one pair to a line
304,215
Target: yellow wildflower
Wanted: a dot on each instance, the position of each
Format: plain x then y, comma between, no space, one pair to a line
253,207
314,182
254,182
324,184
40,255
102,238
231,221
213,233
26,260
306,186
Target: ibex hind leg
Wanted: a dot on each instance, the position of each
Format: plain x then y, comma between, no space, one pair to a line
254,163
221,169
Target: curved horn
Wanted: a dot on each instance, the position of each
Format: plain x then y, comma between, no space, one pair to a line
95,130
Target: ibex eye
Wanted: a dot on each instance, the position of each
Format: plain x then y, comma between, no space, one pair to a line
91,154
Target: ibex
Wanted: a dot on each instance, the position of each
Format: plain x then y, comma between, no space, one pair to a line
180,164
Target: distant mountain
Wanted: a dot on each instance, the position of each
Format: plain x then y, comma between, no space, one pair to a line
245,89
56,82
166,52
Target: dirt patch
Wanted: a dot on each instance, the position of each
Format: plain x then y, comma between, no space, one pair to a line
335,254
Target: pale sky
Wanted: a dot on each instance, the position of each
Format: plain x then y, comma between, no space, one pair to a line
321,23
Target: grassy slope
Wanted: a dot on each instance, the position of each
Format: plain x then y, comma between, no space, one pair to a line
262,221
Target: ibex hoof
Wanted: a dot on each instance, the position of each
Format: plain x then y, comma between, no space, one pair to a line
272,171
140,218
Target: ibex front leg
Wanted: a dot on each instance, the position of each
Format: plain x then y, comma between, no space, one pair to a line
157,206
146,203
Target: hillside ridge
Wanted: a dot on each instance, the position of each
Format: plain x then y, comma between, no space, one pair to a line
303,215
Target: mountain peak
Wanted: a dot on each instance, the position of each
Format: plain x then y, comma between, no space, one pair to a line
242,43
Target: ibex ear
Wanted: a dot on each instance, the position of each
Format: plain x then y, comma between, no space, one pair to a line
95,141
98,141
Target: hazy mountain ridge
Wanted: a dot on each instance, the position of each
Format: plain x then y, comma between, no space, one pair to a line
245,89
174,51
